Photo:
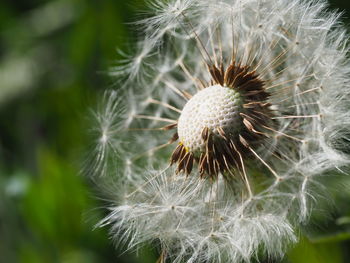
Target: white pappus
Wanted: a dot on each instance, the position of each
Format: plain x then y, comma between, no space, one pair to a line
233,111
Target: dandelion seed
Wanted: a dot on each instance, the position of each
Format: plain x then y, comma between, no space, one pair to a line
242,109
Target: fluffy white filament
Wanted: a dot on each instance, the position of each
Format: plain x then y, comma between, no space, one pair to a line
299,51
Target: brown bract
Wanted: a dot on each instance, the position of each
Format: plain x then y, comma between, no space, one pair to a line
226,151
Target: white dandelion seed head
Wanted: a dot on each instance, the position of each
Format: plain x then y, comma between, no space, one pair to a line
249,101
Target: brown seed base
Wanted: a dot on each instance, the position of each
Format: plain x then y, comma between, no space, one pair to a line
225,151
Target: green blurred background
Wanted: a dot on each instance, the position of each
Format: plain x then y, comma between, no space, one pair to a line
54,55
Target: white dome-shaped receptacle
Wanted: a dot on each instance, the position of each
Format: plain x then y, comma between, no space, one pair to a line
213,107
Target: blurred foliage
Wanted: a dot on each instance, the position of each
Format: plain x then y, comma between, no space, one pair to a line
53,59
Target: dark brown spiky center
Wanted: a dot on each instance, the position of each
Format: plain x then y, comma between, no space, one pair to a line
227,150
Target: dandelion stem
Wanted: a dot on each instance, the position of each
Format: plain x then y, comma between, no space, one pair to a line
181,93
298,117
166,105
162,257
154,118
268,166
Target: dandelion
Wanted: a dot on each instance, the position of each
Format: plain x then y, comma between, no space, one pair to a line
234,112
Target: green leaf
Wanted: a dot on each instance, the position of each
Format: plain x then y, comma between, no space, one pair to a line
310,252
345,220
336,237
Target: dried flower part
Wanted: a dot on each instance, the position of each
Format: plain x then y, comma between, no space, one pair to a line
219,123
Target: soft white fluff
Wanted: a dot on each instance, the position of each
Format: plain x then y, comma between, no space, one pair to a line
299,50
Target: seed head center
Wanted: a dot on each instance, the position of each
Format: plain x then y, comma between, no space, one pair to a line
212,108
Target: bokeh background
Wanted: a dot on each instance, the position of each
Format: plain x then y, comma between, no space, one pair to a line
54,59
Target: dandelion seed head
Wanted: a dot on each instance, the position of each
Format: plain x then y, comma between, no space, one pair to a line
249,101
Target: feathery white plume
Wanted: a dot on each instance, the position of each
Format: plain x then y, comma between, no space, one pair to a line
247,172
